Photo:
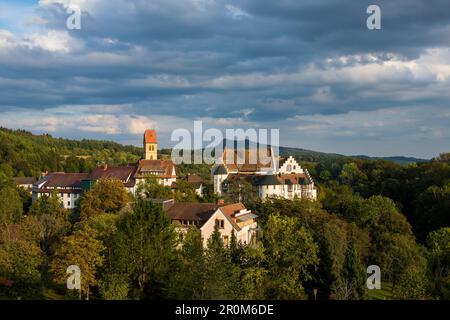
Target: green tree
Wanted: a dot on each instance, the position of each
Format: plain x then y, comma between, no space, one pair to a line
253,276
291,255
50,221
185,192
433,210
438,243
11,207
145,249
353,274
83,249
353,176
151,189
20,261
188,280
241,191
107,196
221,274
397,255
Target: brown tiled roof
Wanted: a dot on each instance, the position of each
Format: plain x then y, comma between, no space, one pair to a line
230,210
298,178
150,136
191,211
24,180
164,168
244,157
122,173
63,180
194,178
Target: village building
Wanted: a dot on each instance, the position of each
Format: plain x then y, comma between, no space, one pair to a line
69,186
196,182
25,182
229,219
285,179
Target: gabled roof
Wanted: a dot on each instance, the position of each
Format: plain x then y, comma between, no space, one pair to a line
158,168
150,136
231,211
241,160
191,211
122,173
62,180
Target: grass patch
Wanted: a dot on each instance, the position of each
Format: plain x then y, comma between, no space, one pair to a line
385,293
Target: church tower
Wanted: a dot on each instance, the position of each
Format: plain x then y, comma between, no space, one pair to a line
150,145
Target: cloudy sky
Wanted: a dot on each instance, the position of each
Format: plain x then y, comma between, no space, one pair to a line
310,68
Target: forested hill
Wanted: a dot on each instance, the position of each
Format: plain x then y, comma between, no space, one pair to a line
25,154
316,156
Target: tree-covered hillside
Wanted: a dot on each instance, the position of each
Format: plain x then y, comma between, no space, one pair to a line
25,154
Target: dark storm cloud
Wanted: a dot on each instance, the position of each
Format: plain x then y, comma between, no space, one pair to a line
259,61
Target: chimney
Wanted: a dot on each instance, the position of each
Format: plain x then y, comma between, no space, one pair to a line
220,202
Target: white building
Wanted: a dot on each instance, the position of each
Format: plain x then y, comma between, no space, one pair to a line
68,187
287,181
233,218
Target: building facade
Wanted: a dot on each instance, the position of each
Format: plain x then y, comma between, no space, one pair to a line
69,186
287,179
229,219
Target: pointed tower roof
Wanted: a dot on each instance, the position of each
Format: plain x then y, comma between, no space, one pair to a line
150,136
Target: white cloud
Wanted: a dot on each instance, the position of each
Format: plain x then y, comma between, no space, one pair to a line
236,13
54,41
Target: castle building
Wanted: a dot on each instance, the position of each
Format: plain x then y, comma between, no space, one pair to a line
287,179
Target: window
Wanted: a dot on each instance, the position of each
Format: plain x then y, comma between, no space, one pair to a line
220,223
289,167
225,240
68,203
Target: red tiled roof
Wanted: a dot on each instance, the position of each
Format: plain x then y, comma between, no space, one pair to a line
159,168
230,210
244,157
150,136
